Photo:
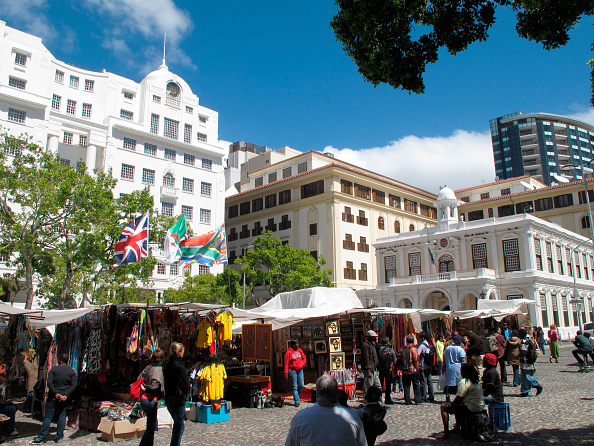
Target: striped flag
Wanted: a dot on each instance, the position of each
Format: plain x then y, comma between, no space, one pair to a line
206,249
175,235
133,243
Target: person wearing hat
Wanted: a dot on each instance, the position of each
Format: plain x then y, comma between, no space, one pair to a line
370,362
453,358
492,386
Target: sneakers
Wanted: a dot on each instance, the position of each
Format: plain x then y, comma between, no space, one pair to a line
13,433
37,441
539,390
58,440
524,394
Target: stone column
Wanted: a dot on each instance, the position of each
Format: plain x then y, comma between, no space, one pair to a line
52,144
494,252
529,251
91,158
463,254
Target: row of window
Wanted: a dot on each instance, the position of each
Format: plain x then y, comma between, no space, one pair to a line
563,265
349,244
148,178
74,81
286,173
350,273
187,211
565,309
175,270
68,138
378,196
258,204
542,204
71,106
168,154
245,232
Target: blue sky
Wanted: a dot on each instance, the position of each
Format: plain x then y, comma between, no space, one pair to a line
277,76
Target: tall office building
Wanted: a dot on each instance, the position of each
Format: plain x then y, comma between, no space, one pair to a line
540,145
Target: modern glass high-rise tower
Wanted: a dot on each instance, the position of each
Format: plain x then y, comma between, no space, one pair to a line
540,145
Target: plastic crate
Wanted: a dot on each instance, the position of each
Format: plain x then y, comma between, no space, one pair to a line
208,415
500,416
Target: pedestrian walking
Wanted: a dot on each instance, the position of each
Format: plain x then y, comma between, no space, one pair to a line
528,355
453,357
540,340
387,361
152,391
554,338
176,391
294,362
501,345
411,374
61,382
512,352
425,368
369,362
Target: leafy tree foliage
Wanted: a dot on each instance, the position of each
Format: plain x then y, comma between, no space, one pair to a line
208,288
281,267
392,41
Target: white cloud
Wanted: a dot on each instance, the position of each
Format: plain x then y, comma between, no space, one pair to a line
582,113
460,160
29,15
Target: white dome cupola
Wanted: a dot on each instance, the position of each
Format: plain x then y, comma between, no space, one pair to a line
447,208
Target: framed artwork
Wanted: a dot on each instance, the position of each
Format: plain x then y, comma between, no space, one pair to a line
320,346
332,328
336,361
285,333
306,345
283,347
279,359
317,331
357,351
306,331
335,344
295,332
312,361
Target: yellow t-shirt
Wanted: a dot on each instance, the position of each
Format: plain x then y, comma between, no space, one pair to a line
205,335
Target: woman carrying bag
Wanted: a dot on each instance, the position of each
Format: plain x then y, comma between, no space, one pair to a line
152,390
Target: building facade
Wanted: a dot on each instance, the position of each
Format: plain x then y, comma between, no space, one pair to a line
540,144
151,134
452,265
329,207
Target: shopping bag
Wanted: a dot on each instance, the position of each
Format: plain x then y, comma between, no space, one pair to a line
135,390
441,382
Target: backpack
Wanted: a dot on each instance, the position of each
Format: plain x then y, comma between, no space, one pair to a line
385,359
431,360
492,340
403,362
532,353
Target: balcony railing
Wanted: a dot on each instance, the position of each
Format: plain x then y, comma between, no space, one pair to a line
362,247
168,191
284,225
346,244
349,218
350,274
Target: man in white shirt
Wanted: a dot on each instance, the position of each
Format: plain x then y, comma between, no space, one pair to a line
326,422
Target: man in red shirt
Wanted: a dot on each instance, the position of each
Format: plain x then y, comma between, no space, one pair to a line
294,363
411,374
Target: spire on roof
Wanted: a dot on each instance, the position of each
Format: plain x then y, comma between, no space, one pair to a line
164,41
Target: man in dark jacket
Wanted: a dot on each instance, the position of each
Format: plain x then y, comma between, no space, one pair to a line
583,348
492,386
61,382
387,359
476,348
369,362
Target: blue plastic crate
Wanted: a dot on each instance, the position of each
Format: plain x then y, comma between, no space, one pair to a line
208,415
500,415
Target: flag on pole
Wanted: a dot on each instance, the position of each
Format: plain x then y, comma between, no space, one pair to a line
431,255
175,235
133,243
206,249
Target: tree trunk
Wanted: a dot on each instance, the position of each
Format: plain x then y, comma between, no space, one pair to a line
29,280
66,284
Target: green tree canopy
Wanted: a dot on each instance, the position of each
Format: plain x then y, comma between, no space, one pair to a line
392,41
208,289
281,267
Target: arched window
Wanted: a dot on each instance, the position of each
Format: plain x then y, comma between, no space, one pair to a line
411,228
585,222
397,227
380,223
172,92
446,264
168,180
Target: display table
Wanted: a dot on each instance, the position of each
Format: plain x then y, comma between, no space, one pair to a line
243,390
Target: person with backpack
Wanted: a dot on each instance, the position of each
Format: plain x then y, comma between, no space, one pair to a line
372,415
528,355
453,358
408,363
153,390
386,359
426,360
369,362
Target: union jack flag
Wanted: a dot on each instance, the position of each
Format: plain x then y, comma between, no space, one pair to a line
133,243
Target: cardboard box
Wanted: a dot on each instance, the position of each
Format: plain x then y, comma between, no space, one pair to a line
191,412
115,431
164,418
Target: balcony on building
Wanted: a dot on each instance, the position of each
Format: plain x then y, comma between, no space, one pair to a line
169,192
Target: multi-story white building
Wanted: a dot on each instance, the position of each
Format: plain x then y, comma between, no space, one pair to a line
329,207
150,134
451,265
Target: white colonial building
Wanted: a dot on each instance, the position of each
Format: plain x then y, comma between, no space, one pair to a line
150,134
450,266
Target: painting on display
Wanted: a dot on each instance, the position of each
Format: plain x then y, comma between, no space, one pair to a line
336,361
306,331
295,332
285,333
332,328
317,331
306,345
320,346
279,359
335,344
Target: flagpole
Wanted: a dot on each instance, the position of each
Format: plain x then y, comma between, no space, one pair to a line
229,279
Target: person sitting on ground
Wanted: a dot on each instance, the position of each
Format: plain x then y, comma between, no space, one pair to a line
469,400
492,386
326,422
583,348
373,414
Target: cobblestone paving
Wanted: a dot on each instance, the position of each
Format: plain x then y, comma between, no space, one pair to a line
563,414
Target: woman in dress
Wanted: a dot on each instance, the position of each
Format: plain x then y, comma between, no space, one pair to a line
554,338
